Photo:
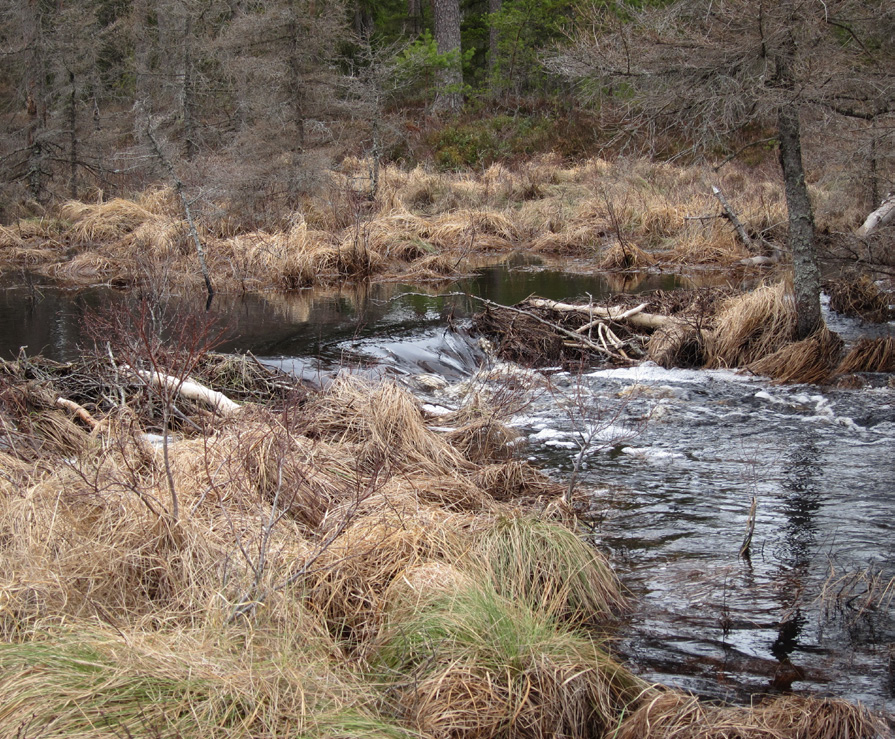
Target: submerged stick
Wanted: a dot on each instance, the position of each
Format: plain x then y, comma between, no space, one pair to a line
750,529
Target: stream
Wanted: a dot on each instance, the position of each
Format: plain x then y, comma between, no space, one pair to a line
671,460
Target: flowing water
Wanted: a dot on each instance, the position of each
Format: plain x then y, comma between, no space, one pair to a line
671,461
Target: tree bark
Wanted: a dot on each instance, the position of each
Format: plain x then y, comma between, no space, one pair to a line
493,39
447,37
414,18
72,138
806,275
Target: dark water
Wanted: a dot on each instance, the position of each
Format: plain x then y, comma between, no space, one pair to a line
307,323
672,461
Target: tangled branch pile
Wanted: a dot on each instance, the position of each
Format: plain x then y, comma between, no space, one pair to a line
709,327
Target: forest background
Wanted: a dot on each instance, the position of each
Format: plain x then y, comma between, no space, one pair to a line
254,101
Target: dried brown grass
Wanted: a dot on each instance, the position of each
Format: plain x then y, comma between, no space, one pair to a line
811,360
98,222
859,297
680,344
751,326
869,355
673,714
387,424
626,256
516,480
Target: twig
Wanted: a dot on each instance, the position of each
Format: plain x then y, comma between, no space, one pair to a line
750,530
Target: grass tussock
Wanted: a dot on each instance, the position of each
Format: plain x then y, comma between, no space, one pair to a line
626,257
859,297
811,360
673,714
482,665
869,355
751,326
547,566
681,344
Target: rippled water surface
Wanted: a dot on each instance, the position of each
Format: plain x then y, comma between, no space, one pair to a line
671,461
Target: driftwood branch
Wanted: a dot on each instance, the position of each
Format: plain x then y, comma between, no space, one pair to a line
634,316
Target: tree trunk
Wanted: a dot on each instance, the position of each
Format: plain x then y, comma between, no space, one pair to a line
188,91
296,82
447,37
414,18
72,138
142,50
806,275
493,38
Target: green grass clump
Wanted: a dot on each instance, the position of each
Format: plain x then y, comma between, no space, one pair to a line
468,662
549,568
86,682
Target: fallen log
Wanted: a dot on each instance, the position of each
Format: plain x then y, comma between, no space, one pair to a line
79,410
882,216
189,389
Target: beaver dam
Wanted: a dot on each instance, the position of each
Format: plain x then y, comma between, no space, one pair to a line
198,544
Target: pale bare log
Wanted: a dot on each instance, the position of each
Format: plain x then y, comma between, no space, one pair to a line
79,410
191,390
634,316
882,216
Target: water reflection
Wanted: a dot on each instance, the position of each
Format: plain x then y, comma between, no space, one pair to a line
800,505
49,320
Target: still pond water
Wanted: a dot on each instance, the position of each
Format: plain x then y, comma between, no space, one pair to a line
672,460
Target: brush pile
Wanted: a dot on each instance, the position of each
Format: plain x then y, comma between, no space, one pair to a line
713,328
859,297
306,565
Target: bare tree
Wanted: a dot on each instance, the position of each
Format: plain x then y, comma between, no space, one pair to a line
714,68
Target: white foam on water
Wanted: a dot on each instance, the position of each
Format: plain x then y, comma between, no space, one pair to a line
652,455
652,372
